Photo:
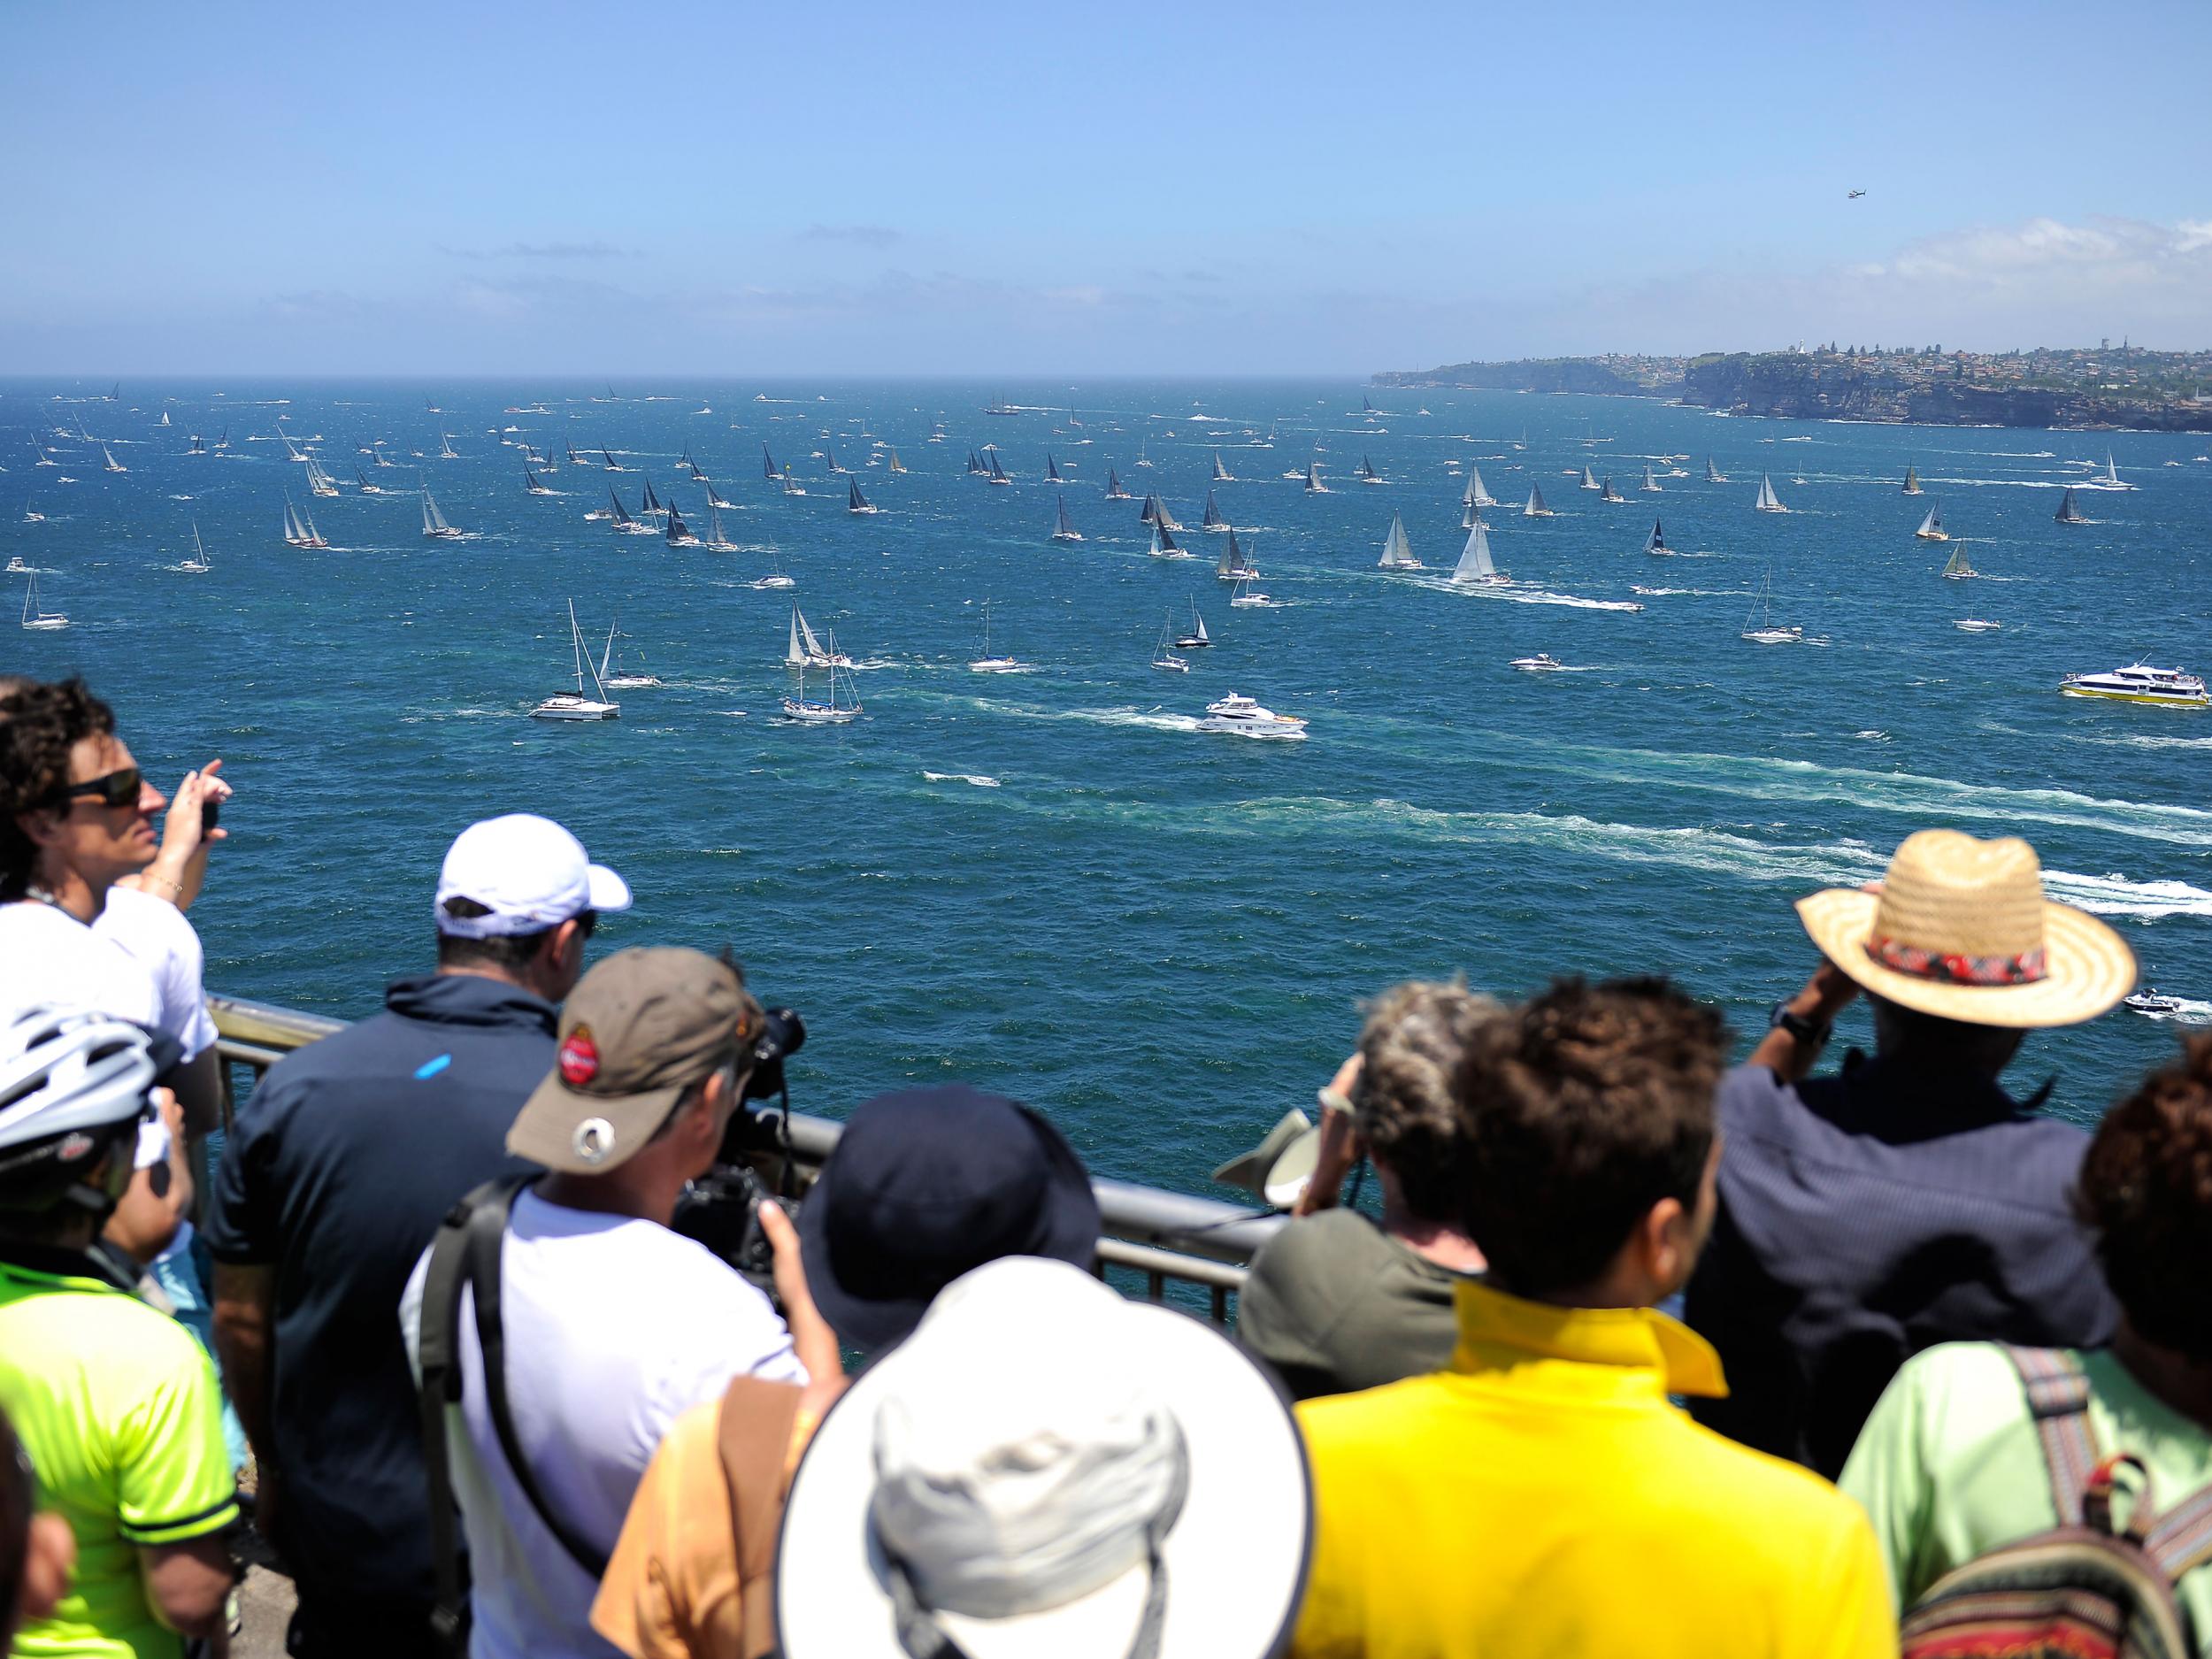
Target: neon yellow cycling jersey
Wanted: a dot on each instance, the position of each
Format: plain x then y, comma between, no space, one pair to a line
117,1407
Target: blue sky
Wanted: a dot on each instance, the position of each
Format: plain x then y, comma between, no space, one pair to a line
1209,188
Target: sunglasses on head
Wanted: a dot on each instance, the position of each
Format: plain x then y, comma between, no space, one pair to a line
115,789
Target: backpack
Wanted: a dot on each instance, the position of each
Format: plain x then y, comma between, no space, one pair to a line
2086,1589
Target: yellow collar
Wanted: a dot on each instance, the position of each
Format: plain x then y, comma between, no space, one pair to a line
1497,1331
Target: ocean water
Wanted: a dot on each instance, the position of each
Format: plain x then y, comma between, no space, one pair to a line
1051,883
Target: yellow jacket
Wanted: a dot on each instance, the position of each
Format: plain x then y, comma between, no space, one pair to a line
1542,1499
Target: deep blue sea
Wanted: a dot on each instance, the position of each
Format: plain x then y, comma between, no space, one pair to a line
1051,883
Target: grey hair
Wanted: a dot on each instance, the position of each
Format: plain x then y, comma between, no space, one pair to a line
1411,1101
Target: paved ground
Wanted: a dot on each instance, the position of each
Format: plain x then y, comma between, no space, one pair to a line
265,1598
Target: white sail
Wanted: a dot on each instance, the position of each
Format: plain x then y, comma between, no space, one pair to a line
1713,474
1657,542
806,636
433,520
1650,486
794,653
1931,526
2111,472
1535,508
1478,492
113,465
1768,500
1589,478
1474,559
1397,554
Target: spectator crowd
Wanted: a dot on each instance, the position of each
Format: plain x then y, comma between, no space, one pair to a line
507,1321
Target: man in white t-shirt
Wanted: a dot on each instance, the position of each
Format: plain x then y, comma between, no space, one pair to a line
612,1326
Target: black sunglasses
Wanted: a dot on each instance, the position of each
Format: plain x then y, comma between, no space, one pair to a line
116,788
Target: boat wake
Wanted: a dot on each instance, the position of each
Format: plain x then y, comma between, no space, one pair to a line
976,778
1518,595
2142,741
2188,1013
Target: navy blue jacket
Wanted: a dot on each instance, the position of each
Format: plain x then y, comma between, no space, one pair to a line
338,1171
1866,1216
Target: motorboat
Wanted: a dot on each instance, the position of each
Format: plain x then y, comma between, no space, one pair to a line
2151,1000
1543,663
1975,625
1243,715
2140,683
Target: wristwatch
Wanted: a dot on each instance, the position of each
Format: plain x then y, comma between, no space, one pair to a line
1798,1027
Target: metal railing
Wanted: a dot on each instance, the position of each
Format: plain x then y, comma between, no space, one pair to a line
1191,1251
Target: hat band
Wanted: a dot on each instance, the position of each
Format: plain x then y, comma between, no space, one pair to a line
1944,967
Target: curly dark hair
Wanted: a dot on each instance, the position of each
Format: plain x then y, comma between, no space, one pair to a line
2146,1191
40,724
1585,1107
1416,1044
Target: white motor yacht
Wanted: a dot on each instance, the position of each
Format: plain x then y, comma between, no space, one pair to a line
2140,683
1543,663
2151,1000
1246,718
1975,625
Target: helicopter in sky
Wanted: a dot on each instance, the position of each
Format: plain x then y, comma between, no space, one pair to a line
1854,196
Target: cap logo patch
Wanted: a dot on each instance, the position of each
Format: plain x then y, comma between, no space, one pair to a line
594,1139
578,1059
74,1146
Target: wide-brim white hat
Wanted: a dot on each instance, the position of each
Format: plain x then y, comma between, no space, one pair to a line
1961,930
1235,1559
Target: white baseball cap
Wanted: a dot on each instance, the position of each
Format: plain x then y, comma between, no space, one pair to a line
1045,1468
527,873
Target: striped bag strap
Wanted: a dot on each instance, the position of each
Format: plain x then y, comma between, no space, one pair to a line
2182,1540
2058,1400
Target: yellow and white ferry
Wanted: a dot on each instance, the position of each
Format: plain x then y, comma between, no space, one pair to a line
2141,683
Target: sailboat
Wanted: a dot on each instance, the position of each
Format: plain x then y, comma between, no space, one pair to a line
679,531
446,451
997,472
1052,470
198,563
2068,509
35,616
768,466
1657,542
1767,501
1536,508
574,459
855,502
976,469
2111,480
112,466
1212,519
611,464
714,498
1196,638
45,459
716,542
1164,545
1114,491
434,524
621,517
1236,564
367,488
199,446
1959,567
1606,492
1163,658
291,451
1931,526
1314,486
164,419
1589,478
987,663
1149,513
1650,486
806,651
897,465
319,482
1142,459
1397,554
1477,494
31,515
567,706
1221,473
1713,474
835,468
1759,627
300,531
805,708
791,486
1064,529
1166,517
1475,567
649,505
624,681
1367,473
1912,480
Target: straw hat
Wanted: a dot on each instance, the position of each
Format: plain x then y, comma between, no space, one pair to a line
1961,930
1044,1467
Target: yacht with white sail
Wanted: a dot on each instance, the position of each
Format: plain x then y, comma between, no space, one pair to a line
532,484
1650,486
1221,474
717,539
1959,567
36,617
446,451
1314,486
1477,494
1536,508
434,524
1589,478
1397,554
2111,479
1760,626
1114,491
1768,500
1063,528
31,515
836,711
806,651
1164,545
1657,542
1931,526
1246,719
113,464
197,564
299,528
1475,568
1196,638
567,706
1713,474
2140,683
616,679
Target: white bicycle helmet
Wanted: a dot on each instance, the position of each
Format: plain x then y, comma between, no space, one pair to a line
71,1083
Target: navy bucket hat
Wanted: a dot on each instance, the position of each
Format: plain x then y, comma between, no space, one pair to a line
926,1185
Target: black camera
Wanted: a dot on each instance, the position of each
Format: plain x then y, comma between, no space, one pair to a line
782,1033
721,1210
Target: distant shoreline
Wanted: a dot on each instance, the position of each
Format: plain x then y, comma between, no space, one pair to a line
2104,390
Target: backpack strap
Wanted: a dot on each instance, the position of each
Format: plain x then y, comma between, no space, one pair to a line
2058,1400
2182,1540
487,1233
437,1349
753,1436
